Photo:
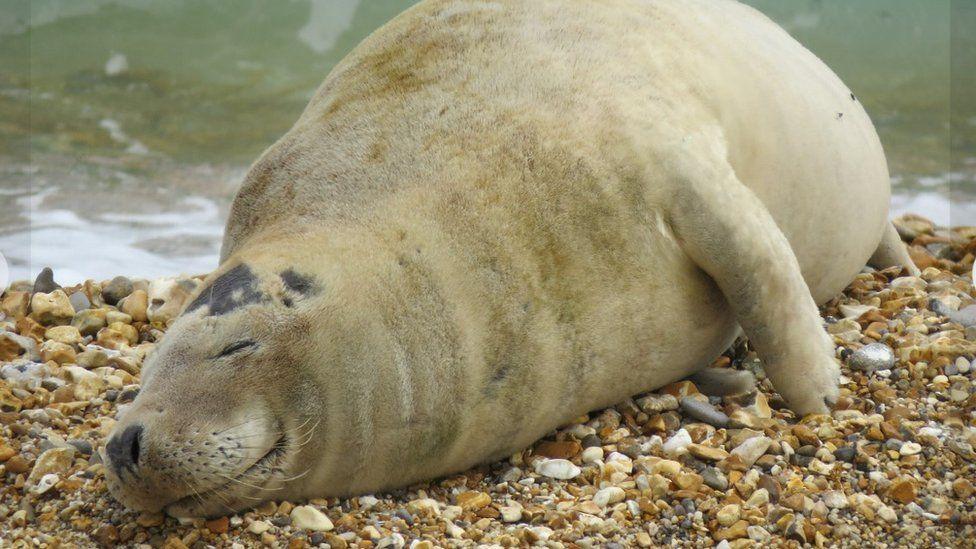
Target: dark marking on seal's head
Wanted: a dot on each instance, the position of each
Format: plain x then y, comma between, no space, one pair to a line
234,289
298,283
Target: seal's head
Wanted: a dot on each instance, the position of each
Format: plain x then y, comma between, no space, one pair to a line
224,415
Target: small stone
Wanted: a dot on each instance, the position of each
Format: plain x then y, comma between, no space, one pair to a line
558,449
57,352
79,301
688,481
44,283
703,411
678,443
707,453
116,290
872,357
715,479
56,460
752,449
45,483
728,515
473,500
736,531
136,305
259,527
910,449
806,435
218,526
963,488
510,513
423,507
15,304
887,514
89,321
306,517
51,308
609,496
835,499
903,490
592,454
68,335
107,535
845,453
758,498
656,403
559,469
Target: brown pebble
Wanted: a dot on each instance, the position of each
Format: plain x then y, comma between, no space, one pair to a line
903,490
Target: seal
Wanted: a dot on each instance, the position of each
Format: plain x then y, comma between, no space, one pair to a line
493,217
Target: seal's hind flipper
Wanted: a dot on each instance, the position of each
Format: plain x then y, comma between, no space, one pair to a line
724,381
892,252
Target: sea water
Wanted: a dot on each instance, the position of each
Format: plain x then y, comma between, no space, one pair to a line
126,126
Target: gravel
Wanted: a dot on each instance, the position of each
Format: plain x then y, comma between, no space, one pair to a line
892,465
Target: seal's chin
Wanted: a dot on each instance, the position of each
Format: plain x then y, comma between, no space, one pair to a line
249,488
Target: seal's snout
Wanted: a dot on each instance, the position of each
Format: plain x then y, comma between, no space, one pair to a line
123,450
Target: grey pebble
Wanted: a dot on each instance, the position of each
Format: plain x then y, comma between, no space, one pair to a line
876,356
44,283
83,446
79,301
116,290
703,411
714,479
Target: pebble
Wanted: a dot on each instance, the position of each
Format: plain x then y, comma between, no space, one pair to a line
44,283
592,454
752,449
703,411
306,517
910,449
609,496
715,479
116,290
678,443
875,356
893,462
559,469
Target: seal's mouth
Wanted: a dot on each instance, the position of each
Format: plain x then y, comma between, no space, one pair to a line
253,479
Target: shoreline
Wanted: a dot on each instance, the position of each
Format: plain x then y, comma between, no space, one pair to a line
895,463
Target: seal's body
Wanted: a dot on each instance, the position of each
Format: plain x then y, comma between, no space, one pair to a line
496,216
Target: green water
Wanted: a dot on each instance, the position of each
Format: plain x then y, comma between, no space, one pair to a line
136,104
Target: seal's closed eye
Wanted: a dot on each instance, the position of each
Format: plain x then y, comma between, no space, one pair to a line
237,347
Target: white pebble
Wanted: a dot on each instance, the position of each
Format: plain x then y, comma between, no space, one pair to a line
559,469
677,443
592,454
609,496
910,449
306,517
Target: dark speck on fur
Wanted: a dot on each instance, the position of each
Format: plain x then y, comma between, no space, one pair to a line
300,284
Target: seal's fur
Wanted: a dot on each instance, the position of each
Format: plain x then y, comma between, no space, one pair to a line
496,216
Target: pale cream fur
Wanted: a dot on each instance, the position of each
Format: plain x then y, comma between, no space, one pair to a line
518,212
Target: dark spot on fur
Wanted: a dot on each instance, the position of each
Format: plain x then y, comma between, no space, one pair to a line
853,97
298,283
233,289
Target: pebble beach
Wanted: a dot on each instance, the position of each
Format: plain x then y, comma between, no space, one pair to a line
893,465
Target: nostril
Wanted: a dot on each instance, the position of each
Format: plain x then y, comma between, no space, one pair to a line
124,448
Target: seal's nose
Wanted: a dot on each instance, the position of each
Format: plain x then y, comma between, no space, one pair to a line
123,449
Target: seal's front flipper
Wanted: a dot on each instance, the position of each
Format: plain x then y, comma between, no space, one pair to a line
727,231
892,252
